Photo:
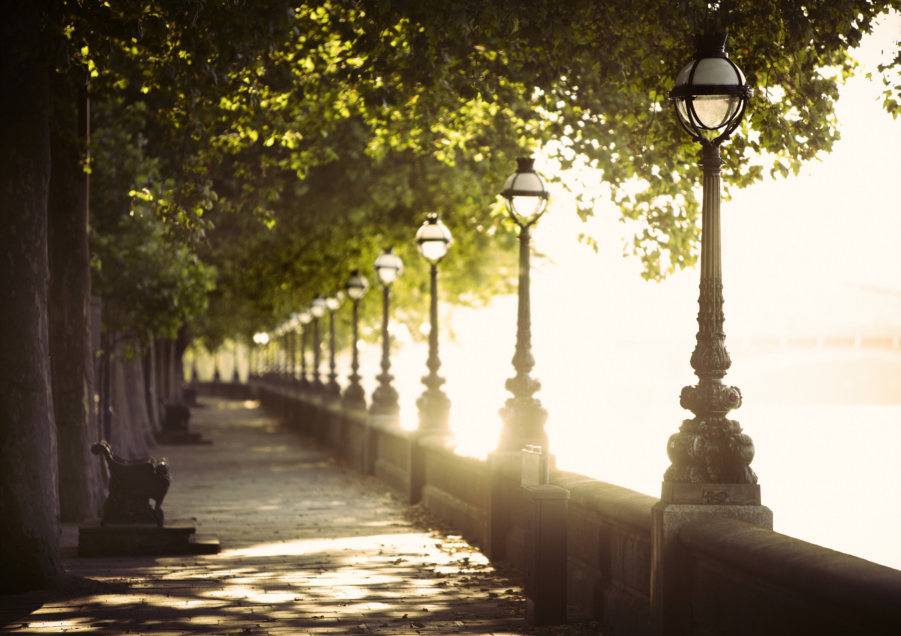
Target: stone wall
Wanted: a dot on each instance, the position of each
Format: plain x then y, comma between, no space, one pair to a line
748,580
739,578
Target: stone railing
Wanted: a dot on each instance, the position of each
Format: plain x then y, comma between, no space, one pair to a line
737,578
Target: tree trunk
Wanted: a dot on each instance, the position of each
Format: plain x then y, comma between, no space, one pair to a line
150,390
162,368
69,308
136,396
29,496
128,439
178,371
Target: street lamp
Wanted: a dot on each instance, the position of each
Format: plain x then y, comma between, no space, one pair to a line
388,267
709,98
285,356
318,309
281,357
354,396
433,240
524,417
332,389
272,348
304,317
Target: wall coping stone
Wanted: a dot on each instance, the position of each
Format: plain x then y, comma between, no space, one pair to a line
838,579
627,506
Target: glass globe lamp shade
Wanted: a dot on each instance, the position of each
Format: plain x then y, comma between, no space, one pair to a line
388,267
433,239
318,307
710,91
356,285
333,302
525,192
261,338
305,317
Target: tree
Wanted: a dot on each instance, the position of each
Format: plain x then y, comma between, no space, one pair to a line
36,39
29,500
69,304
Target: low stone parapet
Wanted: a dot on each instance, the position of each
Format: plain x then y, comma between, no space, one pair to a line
749,580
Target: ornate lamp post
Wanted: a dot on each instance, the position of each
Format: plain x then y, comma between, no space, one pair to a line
332,389
318,309
433,240
354,396
304,317
293,323
388,267
710,97
523,415
710,473
281,353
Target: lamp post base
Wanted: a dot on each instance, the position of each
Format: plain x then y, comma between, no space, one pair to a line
434,411
332,391
354,396
385,397
524,420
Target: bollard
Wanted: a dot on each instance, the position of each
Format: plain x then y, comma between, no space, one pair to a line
545,557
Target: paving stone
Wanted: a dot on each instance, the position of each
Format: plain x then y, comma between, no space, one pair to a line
308,547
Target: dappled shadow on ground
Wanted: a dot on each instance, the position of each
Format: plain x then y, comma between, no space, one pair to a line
308,547
382,584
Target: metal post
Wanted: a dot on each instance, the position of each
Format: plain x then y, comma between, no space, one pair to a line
710,448
433,404
523,415
333,389
384,398
354,396
317,355
304,383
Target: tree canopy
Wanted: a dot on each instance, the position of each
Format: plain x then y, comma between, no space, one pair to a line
291,143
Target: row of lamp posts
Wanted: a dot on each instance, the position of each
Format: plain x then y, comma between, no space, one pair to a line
526,199
709,98
710,455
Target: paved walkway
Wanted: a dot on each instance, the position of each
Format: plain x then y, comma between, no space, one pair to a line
308,547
